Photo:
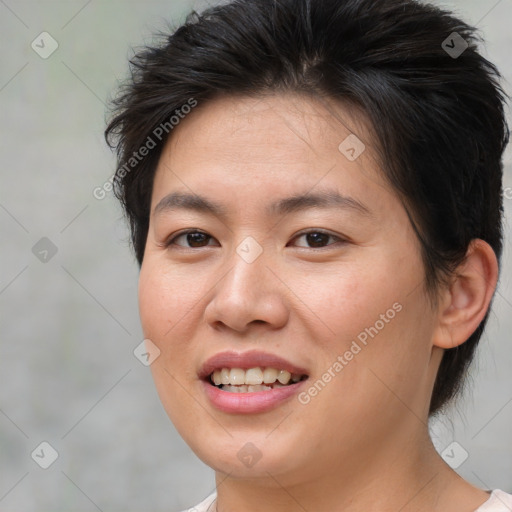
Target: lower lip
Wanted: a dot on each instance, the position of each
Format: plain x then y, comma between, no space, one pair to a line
246,403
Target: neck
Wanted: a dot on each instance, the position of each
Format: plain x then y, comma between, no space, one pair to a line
407,475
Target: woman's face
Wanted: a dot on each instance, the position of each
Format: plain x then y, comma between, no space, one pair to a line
332,287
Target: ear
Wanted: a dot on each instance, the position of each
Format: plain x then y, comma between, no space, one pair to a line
464,303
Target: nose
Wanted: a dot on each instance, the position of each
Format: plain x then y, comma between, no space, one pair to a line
248,294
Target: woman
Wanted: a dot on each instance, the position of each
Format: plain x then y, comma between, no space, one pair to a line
314,193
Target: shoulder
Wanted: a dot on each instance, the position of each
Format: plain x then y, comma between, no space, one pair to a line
204,505
499,501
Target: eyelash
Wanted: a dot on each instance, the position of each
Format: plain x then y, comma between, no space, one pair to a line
171,241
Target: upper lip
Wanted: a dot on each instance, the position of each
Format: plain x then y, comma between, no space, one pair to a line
246,360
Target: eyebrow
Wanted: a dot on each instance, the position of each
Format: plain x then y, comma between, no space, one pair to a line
322,199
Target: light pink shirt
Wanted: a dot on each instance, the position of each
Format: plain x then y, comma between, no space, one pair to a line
499,501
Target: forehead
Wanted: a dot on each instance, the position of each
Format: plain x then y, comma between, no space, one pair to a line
278,143
278,122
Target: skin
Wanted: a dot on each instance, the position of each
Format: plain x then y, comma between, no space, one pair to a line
362,443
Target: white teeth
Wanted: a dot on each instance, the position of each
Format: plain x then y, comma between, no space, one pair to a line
252,389
254,376
236,376
216,378
224,376
284,377
238,380
270,375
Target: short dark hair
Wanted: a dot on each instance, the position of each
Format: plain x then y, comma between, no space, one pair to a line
438,117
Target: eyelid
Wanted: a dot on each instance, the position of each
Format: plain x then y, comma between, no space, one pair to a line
338,238
170,240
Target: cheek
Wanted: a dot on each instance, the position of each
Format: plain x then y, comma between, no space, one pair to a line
164,299
170,311
154,299
377,319
351,299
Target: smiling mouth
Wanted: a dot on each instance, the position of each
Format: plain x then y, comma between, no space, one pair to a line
238,380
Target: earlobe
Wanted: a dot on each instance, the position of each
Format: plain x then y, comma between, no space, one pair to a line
467,298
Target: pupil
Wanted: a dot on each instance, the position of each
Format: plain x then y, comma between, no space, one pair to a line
315,239
196,238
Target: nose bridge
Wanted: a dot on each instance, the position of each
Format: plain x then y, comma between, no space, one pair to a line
249,291
249,271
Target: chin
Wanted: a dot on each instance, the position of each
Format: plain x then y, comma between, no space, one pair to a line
248,454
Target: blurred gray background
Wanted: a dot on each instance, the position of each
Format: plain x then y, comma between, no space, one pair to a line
69,319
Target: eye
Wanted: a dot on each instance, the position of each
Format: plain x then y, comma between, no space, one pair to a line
193,237
196,239
317,239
